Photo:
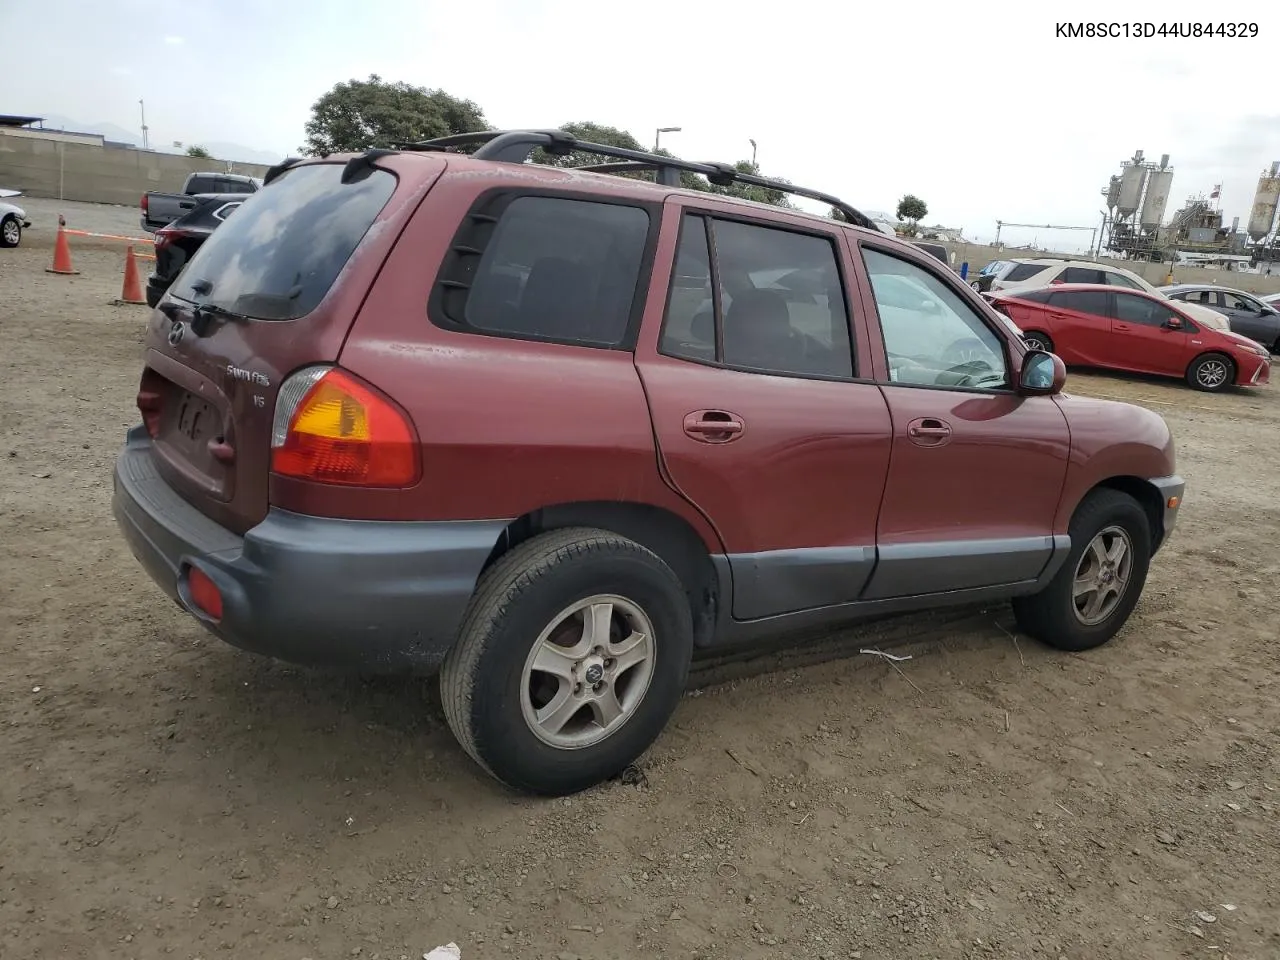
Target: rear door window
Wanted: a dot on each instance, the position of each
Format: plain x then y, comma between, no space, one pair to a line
278,256
558,269
775,297
1092,302
1024,271
1083,275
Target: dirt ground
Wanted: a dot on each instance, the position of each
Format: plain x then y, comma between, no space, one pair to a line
164,795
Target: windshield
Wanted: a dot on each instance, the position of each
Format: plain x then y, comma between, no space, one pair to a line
282,251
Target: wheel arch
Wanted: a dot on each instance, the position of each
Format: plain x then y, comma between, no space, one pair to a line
1147,496
664,532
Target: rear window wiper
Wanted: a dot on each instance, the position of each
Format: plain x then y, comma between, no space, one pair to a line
206,313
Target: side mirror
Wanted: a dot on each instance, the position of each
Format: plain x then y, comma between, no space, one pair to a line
1173,323
1043,374
929,306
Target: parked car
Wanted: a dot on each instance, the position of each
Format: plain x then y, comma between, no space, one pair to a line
1272,299
161,209
1027,274
934,250
989,274
1105,326
178,242
415,410
1248,315
13,219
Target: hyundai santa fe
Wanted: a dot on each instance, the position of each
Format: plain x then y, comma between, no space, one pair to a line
551,433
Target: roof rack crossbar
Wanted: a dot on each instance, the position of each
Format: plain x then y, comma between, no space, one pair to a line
516,146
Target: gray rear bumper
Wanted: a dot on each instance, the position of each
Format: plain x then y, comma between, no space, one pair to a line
373,596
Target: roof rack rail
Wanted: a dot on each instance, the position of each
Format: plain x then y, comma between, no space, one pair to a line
516,146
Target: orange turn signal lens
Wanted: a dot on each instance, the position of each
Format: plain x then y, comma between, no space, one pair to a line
345,432
1173,502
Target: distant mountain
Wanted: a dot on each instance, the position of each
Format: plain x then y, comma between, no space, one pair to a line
219,150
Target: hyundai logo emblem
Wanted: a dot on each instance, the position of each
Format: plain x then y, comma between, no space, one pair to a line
176,332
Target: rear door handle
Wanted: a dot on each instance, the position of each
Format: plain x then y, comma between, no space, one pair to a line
713,426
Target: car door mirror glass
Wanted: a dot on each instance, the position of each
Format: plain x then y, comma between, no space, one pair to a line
1042,373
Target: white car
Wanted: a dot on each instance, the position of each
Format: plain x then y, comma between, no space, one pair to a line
1030,274
13,220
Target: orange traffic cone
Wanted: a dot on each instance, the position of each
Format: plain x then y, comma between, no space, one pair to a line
131,292
61,253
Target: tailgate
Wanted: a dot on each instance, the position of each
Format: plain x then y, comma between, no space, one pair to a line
164,208
273,289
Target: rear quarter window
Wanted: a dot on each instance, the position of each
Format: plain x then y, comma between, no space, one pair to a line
279,255
555,268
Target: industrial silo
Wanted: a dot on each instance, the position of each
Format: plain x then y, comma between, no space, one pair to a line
1157,198
1132,176
1264,204
1112,193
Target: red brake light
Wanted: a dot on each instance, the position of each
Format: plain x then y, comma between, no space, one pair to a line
332,428
144,204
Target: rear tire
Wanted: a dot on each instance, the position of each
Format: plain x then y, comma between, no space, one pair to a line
1035,340
514,660
10,232
1211,372
1061,615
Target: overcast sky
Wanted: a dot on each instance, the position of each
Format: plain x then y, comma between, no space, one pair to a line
975,107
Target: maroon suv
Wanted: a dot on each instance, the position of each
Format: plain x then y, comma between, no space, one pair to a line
552,432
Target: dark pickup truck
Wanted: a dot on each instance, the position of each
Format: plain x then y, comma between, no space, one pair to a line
161,209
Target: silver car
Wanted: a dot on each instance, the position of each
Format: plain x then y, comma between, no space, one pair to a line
1249,316
13,220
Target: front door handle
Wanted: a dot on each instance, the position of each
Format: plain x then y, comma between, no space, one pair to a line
713,426
929,431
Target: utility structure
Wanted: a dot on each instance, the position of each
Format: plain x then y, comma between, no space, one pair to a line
1136,201
1093,231
1264,235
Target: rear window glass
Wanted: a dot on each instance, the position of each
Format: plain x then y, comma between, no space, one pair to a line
560,269
281,252
1024,271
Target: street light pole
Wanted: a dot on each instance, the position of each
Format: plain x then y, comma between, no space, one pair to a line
143,108
657,135
753,153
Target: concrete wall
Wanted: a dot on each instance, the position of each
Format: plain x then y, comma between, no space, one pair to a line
979,255
42,167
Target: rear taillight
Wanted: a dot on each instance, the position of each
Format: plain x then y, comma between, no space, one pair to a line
166,235
144,204
332,428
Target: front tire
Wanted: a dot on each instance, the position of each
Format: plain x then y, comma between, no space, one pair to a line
1211,372
1092,595
572,656
10,232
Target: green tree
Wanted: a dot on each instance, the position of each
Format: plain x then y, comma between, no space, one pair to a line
912,210
195,150
360,114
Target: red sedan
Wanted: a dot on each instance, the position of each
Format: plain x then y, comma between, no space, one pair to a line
1091,325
